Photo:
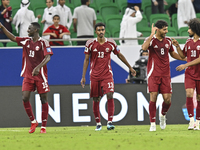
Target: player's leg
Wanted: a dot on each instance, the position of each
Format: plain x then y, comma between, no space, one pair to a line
152,110
198,105
45,111
111,110
27,87
95,92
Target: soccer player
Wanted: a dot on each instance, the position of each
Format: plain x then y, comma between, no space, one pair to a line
56,31
36,54
191,50
158,70
98,50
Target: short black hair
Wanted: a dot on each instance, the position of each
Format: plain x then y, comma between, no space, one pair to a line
194,25
46,0
160,24
83,2
36,25
56,16
99,25
143,51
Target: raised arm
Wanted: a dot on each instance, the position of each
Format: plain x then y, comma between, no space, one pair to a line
7,33
178,48
36,70
145,45
85,66
123,59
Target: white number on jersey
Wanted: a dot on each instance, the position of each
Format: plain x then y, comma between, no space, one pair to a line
101,55
45,86
162,51
32,53
110,85
193,53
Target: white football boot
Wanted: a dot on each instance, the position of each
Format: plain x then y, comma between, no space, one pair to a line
191,124
153,126
162,121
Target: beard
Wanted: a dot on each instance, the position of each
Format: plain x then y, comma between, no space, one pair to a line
191,35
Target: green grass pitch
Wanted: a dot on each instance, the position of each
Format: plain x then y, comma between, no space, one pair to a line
174,137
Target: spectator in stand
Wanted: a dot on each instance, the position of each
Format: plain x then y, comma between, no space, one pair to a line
23,18
172,9
128,25
196,4
56,31
132,3
84,22
65,14
158,6
49,12
5,18
185,13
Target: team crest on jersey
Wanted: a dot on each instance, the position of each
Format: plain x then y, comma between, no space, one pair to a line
107,49
60,31
37,48
198,47
167,45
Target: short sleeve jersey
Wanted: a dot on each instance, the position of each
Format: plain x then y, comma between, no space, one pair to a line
100,58
158,62
59,30
192,51
33,55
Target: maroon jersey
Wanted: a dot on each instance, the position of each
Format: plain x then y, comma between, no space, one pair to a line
192,51
59,30
158,62
33,55
100,68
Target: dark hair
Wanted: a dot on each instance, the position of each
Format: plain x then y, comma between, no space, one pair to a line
56,16
143,51
36,25
1,7
83,2
194,25
161,23
46,0
99,25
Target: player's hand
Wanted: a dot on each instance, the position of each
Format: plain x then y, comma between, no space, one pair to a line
133,72
155,3
1,25
175,42
83,80
153,29
39,16
136,8
36,71
165,3
61,36
54,35
43,21
180,67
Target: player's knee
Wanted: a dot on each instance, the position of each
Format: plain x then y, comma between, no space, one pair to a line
96,99
110,95
189,94
25,98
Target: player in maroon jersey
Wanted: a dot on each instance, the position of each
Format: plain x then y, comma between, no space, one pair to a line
191,50
98,50
158,70
36,54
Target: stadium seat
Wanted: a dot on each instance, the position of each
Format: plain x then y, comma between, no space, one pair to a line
198,15
171,32
146,31
35,3
182,32
174,22
115,34
99,19
113,21
99,2
143,22
11,44
120,2
14,11
76,3
15,3
123,8
1,44
155,17
147,11
108,9
145,3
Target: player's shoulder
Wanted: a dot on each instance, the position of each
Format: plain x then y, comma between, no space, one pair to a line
111,41
90,41
44,41
189,40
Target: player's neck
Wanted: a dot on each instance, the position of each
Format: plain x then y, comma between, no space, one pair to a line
196,38
159,37
35,37
101,40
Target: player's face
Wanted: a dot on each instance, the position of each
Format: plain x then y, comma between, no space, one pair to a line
49,3
163,31
100,31
6,2
31,30
191,33
56,20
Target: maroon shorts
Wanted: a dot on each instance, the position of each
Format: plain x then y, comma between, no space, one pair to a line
99,88
159,84
192,83
32,85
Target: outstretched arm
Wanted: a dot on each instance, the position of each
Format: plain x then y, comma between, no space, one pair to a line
8,34
36,70
177,56
123,59
85,66
192,63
